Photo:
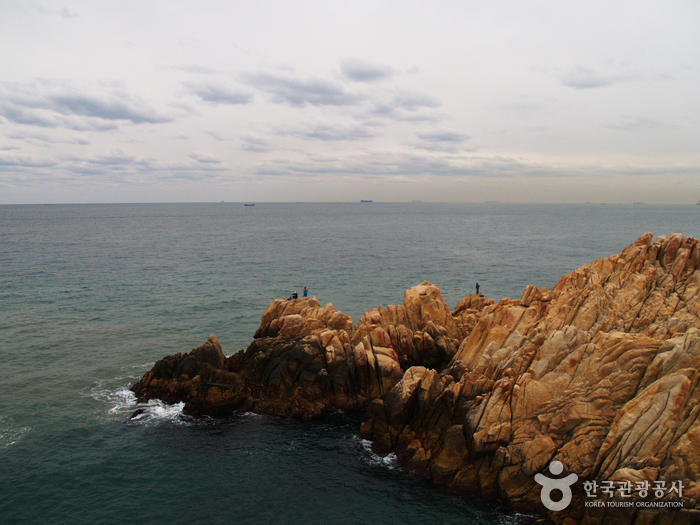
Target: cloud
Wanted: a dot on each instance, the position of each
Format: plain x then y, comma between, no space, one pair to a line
116,158
445,140
204,157
256,145
115,167
25,161
416,166
444,135
22,115
405,106
638,123
301,93
65,13
219,94
107,108
48,104
583,78
415,100
216,135
45,140
329,132
362,71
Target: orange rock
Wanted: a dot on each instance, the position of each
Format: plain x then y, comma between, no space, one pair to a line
600,374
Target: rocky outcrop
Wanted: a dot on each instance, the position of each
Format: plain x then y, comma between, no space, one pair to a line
201,377
601,374
300,317
307,360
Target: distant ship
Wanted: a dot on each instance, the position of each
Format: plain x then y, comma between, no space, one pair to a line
249,204
698,203
363,200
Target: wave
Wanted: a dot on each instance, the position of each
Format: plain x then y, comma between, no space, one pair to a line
370,457
252,415
122,402
156,412
11,432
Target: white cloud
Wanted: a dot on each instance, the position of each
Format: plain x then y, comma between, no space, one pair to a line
204,157
585,78
220,94
268,97
51,104
362,71
330,132
302,92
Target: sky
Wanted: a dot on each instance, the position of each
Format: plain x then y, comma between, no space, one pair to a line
447,101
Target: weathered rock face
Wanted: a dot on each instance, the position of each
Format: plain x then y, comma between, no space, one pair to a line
307,360
201,377
601,374
422,331
300,317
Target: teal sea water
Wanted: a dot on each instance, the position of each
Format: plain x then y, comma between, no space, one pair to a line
92,295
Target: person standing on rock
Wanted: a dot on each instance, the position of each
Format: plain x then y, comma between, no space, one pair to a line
477,288
295,295
306,292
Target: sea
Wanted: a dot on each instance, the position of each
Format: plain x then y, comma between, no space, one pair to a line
92,295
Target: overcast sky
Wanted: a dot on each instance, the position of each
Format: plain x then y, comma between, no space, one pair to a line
517,101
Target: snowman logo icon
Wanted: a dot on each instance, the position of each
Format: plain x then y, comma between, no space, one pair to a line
561,484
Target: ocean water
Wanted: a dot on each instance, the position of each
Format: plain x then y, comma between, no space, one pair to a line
92,295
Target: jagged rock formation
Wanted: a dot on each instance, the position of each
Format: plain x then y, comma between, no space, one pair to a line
308,360
601,374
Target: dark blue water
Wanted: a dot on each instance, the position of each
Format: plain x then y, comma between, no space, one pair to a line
92,295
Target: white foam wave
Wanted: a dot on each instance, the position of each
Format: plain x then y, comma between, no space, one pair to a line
389,461
10,432
252,415
155,412
115,396
121,401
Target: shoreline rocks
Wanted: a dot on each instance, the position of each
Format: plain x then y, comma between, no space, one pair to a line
307,360
600,374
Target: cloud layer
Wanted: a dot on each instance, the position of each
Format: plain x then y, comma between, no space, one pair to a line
316,101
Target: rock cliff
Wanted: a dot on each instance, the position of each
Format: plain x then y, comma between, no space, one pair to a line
599,374
307,360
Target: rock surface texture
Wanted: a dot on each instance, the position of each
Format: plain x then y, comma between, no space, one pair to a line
308,360
600,374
